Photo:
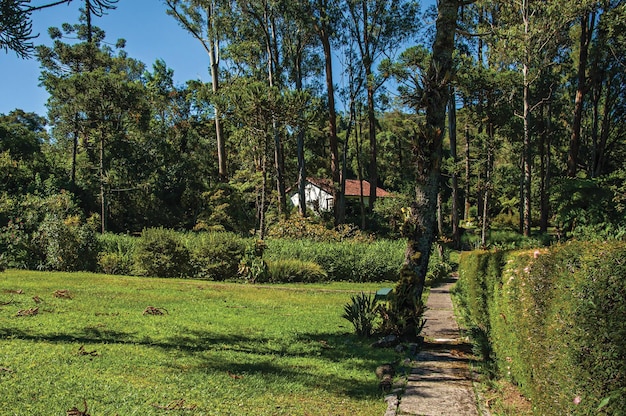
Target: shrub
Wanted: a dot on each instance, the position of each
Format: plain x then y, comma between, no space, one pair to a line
160,252
252,267
68,245
21,218
116,253
295,271
215,256
439,265
297,227
362,313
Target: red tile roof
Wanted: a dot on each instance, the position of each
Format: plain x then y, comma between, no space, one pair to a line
353,187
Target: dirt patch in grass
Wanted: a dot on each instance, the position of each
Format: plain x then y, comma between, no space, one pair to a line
28,312
151,310
505,399
63,294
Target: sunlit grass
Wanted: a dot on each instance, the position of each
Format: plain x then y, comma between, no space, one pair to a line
218,349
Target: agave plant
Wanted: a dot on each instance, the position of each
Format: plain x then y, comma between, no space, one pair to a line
362,312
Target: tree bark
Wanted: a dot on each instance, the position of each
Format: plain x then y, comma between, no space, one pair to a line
300,145
526,164
456,235
332,124
214,63
527,152
103,199
422,222
586,30
466,211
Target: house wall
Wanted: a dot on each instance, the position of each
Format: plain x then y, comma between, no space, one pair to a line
317,199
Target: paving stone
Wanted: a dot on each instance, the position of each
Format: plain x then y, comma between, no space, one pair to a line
440,383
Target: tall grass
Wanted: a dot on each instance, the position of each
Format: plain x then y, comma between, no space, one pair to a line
347,260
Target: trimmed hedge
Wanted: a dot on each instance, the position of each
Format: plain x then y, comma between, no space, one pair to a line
554,319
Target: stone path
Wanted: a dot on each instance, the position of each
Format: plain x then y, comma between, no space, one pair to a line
440,383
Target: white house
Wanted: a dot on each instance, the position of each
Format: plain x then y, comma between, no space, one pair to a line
319,195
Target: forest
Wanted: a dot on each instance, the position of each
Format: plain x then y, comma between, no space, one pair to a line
534,102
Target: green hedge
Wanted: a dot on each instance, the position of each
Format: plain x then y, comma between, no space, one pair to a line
554,319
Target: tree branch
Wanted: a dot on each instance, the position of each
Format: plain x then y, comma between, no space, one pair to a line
45,6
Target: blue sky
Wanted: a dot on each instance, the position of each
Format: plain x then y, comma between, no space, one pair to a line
150,35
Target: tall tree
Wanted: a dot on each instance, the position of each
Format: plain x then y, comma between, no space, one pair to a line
204,19
16,26
97,93
325,20
529,38
378,28
587,23
420,225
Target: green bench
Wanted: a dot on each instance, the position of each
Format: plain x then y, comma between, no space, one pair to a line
383,294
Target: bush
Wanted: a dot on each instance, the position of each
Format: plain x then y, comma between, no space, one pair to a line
295,271
215,256
68,245
116,253
160,252
297,227
21,220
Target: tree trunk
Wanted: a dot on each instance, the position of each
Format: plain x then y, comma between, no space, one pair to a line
527,172
75,138
214,63
300,146
261,208
605,129
359,150
279,161
597,95
586,30
466,211
421,226
344,162
456,235
103,200
544,151
439,213
489,145
332,121
373,168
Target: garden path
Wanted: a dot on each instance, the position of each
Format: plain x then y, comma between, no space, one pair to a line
440,382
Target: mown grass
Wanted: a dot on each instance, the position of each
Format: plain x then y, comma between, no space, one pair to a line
218,349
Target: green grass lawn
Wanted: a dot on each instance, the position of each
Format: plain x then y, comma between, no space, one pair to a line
218,349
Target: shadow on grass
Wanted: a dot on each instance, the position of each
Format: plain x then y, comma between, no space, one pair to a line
334,357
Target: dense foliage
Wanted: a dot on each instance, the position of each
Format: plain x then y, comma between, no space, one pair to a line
535,135
551,321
